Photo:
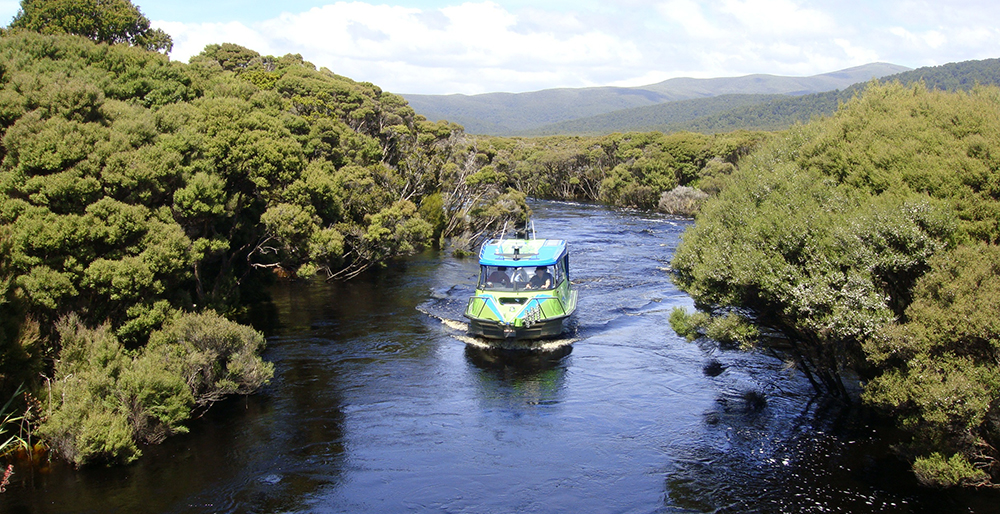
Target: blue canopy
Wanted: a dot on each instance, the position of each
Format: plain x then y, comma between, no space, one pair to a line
522,252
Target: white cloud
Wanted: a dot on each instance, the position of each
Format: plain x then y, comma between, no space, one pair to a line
982,36
505,45
690,16
8,9
857,54
927,39
778,18
191,38
409,50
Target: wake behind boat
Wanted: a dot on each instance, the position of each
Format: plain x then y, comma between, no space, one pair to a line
524,291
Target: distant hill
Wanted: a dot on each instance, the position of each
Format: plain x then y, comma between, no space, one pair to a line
653,117
686,88
520,113
782,112
508,113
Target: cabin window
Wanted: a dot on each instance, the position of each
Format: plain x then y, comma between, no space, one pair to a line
519,278
495,278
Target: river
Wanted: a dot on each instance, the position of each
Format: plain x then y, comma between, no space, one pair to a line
380,403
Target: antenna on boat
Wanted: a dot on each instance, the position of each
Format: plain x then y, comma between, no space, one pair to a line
533,229
499,249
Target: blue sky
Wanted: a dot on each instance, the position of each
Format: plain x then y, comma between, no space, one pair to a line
477,46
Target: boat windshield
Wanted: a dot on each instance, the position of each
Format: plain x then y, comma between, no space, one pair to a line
515,278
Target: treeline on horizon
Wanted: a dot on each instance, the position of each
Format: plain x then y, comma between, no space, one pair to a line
145,201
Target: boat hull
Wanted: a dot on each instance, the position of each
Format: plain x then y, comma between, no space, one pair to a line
543,329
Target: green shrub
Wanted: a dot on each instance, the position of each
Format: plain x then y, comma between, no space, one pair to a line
682,201
688,326
868,240
942,379
937,471
89,418
214,356
106,400
731,328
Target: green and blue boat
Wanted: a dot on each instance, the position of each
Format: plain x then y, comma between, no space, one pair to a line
524,291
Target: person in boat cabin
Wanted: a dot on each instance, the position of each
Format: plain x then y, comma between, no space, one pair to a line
499,277
541,280
520,277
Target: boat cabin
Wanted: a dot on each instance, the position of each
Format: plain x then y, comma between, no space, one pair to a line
523,265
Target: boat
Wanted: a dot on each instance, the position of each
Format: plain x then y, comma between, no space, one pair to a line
524,292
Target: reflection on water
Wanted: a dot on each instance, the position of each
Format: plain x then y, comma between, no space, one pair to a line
517,362
380,403
517,377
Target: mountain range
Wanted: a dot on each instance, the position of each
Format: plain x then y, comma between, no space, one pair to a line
605,109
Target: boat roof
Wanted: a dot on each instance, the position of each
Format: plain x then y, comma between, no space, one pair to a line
521,252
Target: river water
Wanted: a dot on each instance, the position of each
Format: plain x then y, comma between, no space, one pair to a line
380,403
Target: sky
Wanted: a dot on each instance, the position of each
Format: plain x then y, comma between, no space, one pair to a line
480,46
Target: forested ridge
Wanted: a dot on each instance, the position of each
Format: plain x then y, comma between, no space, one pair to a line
783,112
660,117
602,110
726,113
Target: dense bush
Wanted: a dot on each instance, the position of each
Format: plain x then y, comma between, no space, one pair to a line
682,201
134,189
621,170
133,185
95,412
214,356
106,400
857,242
105,21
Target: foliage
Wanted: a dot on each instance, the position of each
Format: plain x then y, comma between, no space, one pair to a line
214,356
687,325
936,470
682,201
8,419
134,188
104,21
625,170
90,418
130,181
857,244
947,349
107,400
727,328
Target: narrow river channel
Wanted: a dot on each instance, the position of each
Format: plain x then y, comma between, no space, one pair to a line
381,404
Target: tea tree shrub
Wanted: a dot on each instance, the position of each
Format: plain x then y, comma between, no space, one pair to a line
865,246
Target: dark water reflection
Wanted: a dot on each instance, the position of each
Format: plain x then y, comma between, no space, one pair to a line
381,404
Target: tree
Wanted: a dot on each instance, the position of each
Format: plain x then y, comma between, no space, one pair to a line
943,383
866,242
136,193
104,21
